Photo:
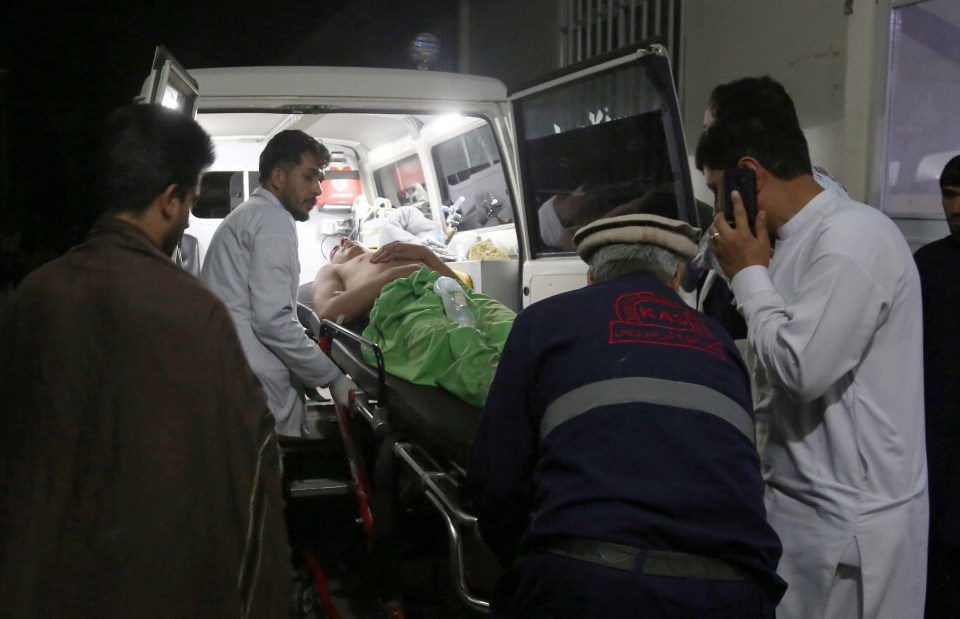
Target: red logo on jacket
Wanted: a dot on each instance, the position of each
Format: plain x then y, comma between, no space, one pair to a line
647,318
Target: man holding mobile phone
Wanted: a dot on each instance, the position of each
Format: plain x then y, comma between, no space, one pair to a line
835,345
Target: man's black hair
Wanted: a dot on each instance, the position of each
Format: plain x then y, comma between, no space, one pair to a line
950,177
756,119
752,95
285,150
147,148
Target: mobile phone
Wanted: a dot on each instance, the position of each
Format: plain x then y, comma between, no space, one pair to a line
744,180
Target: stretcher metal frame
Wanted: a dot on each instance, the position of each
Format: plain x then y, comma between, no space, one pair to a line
438,484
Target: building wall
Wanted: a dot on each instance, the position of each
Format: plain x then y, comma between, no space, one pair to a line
801,44
378,33
509,40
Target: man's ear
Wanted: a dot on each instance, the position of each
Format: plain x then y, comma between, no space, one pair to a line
169,202
677,277
752,164
589,276
278,177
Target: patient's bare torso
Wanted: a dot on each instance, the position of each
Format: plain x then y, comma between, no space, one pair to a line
359,269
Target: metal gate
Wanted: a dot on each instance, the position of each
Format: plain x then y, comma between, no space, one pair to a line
590,28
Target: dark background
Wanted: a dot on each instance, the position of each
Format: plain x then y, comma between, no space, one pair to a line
64,66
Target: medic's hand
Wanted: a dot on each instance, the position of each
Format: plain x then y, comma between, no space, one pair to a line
340,391
738,248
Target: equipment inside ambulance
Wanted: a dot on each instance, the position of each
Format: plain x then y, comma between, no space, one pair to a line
491,172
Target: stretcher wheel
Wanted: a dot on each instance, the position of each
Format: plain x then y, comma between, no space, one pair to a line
304,600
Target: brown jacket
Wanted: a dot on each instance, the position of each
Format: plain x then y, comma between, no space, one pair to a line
139,471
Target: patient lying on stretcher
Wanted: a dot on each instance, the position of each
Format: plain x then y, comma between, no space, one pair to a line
349,284
407,319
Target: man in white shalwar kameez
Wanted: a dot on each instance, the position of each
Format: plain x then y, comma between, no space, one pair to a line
835,342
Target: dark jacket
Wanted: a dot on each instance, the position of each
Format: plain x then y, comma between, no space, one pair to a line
939,264
139,471
646,475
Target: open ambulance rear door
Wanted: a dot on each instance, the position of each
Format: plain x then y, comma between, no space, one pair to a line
170,85
596,140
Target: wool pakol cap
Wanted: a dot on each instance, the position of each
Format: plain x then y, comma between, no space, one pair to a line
673,234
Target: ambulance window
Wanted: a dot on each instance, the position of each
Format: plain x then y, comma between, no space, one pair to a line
594,148
220,192
402,182
468,166
923,84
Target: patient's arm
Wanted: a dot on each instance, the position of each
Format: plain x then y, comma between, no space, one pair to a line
332,300
410,251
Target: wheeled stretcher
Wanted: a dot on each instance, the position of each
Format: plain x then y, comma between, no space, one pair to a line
421,432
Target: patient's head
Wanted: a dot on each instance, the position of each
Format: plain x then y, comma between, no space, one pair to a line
346,250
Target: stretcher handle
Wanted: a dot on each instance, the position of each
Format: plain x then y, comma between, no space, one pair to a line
453,516
457,566
330,328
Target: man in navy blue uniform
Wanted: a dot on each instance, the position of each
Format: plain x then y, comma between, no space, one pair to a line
614,470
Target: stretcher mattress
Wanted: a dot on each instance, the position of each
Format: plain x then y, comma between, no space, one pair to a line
438,422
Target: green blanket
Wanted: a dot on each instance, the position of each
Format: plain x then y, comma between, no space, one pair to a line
421,345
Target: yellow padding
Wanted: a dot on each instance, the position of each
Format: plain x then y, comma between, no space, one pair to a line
466,279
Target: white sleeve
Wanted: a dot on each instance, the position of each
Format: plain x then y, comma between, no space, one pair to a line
409,225
809,342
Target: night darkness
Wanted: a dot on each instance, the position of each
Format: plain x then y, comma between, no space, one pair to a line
68,66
